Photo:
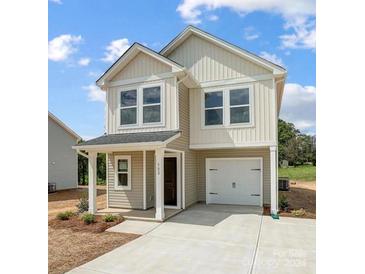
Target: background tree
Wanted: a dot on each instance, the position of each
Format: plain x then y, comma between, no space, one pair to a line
101,168
295,147
82,169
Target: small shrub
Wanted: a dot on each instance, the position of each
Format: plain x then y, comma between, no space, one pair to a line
109,218
65,215
283,201
88,218
298,213
83,204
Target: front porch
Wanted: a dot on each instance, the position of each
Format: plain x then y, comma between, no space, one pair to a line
145,180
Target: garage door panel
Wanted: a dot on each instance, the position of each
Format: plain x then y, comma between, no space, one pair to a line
234,181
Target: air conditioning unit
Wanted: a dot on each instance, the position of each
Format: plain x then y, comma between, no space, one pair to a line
51,187
284,184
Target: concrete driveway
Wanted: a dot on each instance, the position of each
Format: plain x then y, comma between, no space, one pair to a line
216,239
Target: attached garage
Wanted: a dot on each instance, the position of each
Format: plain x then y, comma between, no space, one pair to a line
234,181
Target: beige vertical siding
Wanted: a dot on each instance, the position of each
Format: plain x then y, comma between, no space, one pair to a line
262,131
127,198
231,153
170,99
182,143
142,65
150,178
208,62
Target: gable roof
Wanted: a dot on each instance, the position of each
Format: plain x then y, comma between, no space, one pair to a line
63,125
127,56
191,30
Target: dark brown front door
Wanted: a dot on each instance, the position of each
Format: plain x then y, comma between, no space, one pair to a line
170,174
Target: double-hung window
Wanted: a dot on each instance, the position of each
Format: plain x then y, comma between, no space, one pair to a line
239,104
128,107
213,108
228,107
123,172
141,106
152,105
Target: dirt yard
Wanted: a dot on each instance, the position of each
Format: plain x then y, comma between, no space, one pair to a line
301,195
70,242
67,199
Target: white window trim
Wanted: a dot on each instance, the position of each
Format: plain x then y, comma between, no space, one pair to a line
122,157
140,105
227,107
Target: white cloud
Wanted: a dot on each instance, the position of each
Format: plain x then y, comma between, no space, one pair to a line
213,17
298,16
95,94
272,57
303,35
250,34
84,61
59,2
61,47
115,49
299,106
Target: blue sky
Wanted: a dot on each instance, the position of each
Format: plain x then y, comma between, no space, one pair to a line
86,36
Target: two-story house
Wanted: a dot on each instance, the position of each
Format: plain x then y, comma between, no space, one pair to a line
195,122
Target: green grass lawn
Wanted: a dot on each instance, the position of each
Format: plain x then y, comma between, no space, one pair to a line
299,173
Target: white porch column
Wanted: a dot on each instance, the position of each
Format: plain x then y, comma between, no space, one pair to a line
274,179
159,183
92,181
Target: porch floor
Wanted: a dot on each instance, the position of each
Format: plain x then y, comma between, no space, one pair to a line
138,214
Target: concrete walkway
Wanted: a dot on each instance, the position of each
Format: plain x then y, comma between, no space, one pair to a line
216,239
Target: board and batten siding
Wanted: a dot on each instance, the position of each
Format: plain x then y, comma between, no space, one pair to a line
209,62
170,108
126,198
182,143
233,153
140,66
262,131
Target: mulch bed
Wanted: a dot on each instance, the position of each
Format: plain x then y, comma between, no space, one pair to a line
300,195
77,225
72,243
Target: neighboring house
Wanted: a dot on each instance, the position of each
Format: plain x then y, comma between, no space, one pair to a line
62,159
195,122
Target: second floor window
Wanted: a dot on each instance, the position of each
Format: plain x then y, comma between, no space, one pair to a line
141,106
128,107
228,107
152,105
239,101
214,108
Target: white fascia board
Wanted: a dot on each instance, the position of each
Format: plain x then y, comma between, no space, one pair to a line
238,51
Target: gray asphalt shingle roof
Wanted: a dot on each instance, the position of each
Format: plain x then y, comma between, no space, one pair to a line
125,138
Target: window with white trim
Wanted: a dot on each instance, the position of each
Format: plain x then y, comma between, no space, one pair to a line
128,107
228,107
213,103
239,104
123,172
142,106
152,105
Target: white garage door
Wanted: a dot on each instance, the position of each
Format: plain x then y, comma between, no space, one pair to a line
234,181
